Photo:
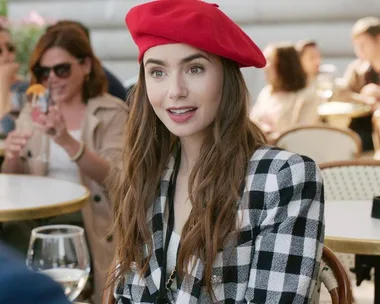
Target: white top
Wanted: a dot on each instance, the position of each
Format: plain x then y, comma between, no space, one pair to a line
171,258
18,192
278,112
352,220
60,164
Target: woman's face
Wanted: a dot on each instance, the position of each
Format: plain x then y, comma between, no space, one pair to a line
63,74
184,87
7,48
311,60
367,47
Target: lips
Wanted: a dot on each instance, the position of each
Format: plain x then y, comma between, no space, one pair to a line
181,111
181,115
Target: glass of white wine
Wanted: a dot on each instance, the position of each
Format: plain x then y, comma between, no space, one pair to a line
60,252
326,81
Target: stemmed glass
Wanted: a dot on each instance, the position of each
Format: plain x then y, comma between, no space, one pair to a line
60,251
325,85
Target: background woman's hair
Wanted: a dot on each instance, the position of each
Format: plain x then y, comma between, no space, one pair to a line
290,75
366,25
75,42
214,182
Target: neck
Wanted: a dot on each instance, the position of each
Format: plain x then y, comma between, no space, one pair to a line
74,102
190,150
376,64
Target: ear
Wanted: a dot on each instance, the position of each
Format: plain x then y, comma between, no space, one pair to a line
87,65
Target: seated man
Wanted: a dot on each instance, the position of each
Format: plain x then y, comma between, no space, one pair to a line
19,285
362,76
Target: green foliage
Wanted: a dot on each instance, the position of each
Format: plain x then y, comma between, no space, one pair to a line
25,37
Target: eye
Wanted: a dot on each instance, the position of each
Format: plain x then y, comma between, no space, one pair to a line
196,70
157,73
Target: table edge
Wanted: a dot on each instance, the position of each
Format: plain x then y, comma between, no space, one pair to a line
46,211
351,245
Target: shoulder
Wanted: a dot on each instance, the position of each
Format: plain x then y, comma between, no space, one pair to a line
281,164
115,87
265,91
106,103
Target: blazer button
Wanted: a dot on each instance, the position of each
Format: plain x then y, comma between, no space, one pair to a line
109,238
97,198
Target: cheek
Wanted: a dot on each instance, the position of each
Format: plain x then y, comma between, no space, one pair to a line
156,93
212,90
75,81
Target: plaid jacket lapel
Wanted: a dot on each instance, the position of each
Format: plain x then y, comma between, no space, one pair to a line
156,220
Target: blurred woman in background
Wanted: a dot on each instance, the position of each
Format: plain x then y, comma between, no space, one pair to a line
310,57
84,126
286,101
12,86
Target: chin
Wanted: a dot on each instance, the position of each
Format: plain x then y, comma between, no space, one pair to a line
59,98
185,131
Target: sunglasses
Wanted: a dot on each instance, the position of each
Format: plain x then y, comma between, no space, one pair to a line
62,70
10,48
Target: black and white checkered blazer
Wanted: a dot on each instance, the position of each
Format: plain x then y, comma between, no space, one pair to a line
275,259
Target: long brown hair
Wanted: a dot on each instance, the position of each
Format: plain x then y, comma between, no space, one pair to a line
215,178
74,41
290,75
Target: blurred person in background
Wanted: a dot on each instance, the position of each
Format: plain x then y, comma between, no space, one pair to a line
310,57
12,86
286,101
362,76
85,128
115,87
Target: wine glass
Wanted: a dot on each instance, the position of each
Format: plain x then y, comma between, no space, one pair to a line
60,252
325,85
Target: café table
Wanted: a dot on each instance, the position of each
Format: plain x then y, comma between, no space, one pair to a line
351,229
24,197
339,113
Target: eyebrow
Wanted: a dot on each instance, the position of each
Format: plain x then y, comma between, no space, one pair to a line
184,60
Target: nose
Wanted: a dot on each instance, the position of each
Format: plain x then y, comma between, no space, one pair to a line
51,77
178,87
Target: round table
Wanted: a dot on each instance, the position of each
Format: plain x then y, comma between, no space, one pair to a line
340,114
350,227
25,197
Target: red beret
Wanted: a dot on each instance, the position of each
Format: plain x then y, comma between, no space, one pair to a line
194,22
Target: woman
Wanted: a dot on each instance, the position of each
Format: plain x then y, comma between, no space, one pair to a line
210,214
286,101
84,125
311,58
12,87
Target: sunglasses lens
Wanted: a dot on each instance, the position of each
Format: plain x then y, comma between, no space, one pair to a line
62,70
11,48
41,73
